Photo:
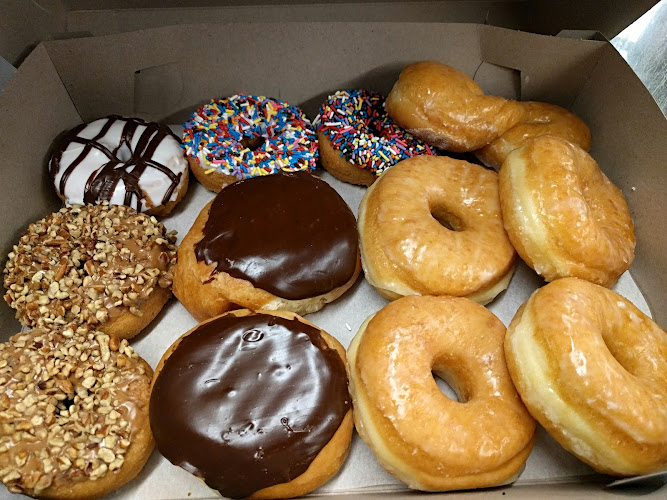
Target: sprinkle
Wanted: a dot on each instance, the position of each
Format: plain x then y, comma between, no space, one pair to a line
356,124
209,171
215,132
348,327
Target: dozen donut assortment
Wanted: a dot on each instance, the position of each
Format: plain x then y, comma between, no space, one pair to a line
260,403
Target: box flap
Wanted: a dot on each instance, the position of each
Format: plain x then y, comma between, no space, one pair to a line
35,91
629,145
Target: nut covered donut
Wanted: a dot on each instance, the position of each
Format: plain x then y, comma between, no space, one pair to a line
432,225
592,369
284,241
125,161
418,434
446,108
254,404
358,140
563,215
74,413
247,136
97,265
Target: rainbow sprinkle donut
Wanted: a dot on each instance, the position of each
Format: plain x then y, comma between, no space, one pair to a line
247,136
354,130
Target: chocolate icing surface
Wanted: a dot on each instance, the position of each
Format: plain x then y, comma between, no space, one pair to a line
248,402
290,234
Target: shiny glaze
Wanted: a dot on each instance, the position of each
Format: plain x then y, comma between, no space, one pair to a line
592,369
290,234
406,246
248,402
563,215
418,434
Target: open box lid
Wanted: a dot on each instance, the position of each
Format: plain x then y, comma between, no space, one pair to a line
24,24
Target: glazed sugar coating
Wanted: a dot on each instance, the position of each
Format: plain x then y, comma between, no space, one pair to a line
73,413
357,125
216,134
418,434
89,265
432,225
125,161
540,119
563,215
592,369
446,108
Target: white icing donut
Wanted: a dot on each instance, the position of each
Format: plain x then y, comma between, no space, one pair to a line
125,161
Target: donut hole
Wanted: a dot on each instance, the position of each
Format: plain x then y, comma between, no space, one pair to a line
446,382
65,404
253,143
446,219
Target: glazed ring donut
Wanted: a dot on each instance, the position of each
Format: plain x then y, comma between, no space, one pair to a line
564,217
447,109
592,369
125,161
254,404
431,225
417,433
358,140
74,413
97,265
247,136
284,241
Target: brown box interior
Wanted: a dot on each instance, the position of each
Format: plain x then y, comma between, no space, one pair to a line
161,74
24,24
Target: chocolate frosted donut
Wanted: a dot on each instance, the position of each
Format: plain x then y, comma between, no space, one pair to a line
255,404
285,241
125,161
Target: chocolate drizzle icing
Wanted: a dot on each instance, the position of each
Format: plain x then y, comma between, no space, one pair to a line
248,402
288,233
102,183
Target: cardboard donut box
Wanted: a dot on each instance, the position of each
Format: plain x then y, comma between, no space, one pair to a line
78,61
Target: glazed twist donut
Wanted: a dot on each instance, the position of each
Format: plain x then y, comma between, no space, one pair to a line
563,215
432,225
592,369
447,109
541,119
418,434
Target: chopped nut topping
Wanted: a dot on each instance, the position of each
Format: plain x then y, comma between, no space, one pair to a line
70,400
75,266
